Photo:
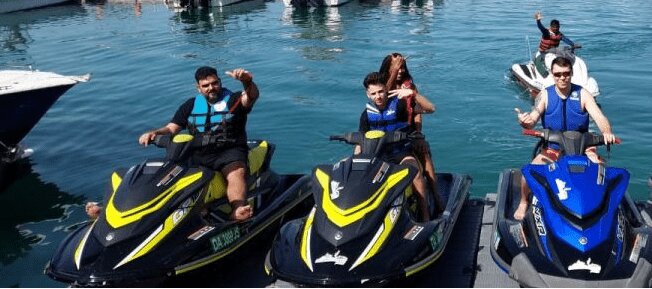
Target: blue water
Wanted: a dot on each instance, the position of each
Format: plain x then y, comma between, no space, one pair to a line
309,65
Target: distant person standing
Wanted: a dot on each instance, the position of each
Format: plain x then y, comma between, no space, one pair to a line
550,39
138,8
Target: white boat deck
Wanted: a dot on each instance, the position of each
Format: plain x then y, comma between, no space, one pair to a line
14,81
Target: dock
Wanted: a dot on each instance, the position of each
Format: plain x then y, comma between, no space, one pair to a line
488,273
466,261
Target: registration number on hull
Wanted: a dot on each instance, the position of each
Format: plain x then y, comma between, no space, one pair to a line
223,239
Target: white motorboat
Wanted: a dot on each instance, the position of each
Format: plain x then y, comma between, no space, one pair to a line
534,78
25,96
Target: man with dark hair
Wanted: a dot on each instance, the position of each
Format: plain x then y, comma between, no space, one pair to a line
562,107
389,113
217,110
550,39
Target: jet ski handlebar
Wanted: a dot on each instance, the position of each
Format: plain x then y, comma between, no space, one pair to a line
163,141
571,142
358,138
374,142
179,147
349,137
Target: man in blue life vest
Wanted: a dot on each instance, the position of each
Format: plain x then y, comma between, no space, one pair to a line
389,112
205,113
562,107
550,38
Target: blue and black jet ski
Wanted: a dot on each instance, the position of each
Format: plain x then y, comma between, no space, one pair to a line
582,229
166,217
363,230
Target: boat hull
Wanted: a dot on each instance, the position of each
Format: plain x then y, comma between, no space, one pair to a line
20,111
7,6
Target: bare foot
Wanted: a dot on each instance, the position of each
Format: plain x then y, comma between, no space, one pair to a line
242,213
93,210
520,211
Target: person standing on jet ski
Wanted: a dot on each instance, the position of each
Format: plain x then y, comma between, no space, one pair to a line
550,38
397,76
390,112
562,107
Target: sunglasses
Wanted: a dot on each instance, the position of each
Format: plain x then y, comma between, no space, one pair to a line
560,74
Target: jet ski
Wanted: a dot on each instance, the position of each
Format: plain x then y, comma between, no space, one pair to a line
362,229
535,76
582,229
166,217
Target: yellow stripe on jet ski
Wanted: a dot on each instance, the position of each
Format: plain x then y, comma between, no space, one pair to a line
81,245
305,240
216,188
375,244
170,222
418,267
346,217
219,255
118,219
115,181
256,157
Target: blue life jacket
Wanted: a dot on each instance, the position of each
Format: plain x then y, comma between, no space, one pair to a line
565,114
213,118
385,120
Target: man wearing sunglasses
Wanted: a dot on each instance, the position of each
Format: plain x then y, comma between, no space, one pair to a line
217,110
562,107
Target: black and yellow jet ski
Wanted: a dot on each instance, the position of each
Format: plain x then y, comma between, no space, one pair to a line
166,217
362,229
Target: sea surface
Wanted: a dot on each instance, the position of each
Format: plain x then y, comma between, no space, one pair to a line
309,65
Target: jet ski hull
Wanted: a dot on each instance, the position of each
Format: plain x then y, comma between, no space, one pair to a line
409,248
519,248
152,235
